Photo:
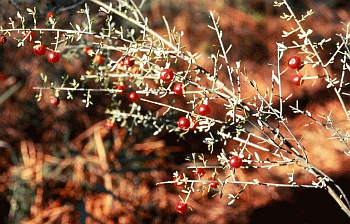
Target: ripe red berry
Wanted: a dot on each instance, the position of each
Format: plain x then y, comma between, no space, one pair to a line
28,36
235,162
129,61
294,62
121,87
50,14
54,101
87,50
181,207
183,123
133,97
214,184
110,125
199,172
53,56
99,59
167,75
203,110
178,182
39,50
3,39
179,89
296,80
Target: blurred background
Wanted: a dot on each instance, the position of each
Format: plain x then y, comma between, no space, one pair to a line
61,165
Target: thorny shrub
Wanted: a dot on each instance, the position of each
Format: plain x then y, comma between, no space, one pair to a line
254,132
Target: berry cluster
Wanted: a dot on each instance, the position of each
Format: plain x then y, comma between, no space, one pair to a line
166,75
144,70
40,49
294,62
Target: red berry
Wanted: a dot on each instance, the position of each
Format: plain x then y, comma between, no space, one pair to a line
199,172
110,125
296,80
121,87
54,101
181,207
203,110
167,75
183,123
214,184
50,14
3,39
28,36
129,61
178,182
235,162
86,50
39,50
294,62
53,56
179,89
133,97
99,59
